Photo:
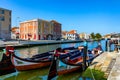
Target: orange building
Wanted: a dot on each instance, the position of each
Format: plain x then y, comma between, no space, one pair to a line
38,29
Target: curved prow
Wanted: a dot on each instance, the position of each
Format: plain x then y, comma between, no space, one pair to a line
9,50
53,69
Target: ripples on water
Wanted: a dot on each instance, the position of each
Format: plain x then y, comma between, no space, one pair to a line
41,74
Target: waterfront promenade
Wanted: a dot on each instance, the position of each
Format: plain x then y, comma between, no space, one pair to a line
18,44
115,72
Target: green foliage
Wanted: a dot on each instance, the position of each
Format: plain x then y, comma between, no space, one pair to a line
90,73
92,35
96,36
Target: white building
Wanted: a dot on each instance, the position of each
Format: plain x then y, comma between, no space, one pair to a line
72,35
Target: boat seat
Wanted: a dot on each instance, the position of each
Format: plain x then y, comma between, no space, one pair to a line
70,54
41,55
76,55
74,52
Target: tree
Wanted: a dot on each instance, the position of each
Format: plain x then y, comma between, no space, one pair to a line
98,36
92,35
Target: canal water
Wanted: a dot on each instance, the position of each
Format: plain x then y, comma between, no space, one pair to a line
41,74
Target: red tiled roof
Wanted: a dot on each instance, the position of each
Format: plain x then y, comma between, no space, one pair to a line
14,29
72,32
64,32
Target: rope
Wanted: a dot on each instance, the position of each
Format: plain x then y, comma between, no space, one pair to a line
92,74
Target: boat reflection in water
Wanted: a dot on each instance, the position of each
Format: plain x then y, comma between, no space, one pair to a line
30,51
70,76
38,74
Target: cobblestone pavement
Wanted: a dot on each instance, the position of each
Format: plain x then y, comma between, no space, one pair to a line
115,72
109,63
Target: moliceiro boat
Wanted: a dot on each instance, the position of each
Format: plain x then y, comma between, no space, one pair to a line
21,64
64,63
36,61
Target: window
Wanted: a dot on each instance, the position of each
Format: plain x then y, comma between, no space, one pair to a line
2,18
10,13
1,11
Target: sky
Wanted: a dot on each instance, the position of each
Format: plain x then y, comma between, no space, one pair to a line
98,16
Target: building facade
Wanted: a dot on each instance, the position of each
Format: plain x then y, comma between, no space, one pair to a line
15,33
84,36
5,23
39,29
64,34
72,35
57,33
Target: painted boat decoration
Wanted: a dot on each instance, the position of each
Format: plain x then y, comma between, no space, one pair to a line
6,65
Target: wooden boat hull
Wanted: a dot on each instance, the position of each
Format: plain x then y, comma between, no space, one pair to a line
21,65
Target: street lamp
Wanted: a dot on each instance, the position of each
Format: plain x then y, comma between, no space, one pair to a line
17,20
17,25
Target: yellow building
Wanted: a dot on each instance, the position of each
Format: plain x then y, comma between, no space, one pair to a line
5,23
84,35
64,34
107,36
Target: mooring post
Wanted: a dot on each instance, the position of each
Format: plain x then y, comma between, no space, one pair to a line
85,55
106,45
